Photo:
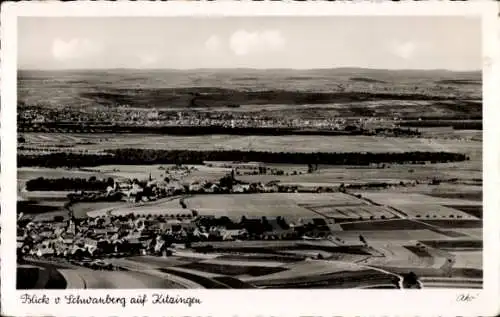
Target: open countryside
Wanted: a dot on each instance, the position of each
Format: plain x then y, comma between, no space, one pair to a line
374,185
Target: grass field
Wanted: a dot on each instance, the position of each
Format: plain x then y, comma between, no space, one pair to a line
461,223
82,209
269,205
431,211
472,232
236,206
455,244
354,212
389,235
402,199
468,259
167,206
394,174
257,143
475,211
231,270
393,224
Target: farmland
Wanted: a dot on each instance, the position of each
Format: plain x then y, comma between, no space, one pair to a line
169,207
269,205
326,211
173,89
256,143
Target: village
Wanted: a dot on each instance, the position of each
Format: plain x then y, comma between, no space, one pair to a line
104,234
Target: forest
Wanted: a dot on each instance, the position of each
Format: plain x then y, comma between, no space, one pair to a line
152,156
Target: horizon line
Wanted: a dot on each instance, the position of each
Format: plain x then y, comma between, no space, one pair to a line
255,69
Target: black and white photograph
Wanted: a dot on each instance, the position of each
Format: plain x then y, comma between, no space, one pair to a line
249,152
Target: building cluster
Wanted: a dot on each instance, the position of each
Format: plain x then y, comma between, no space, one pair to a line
124,116
160,234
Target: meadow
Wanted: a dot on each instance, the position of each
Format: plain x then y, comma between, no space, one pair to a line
287,143
252,205
402,199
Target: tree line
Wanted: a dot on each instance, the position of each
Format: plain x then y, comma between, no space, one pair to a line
64,183
154,156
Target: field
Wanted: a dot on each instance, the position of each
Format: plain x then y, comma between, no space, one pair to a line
287,143
468,259
354,212
375,234
173,89
393,174
141,172
167,206
388,235
82,209
431,211
289,206
397,199
236,206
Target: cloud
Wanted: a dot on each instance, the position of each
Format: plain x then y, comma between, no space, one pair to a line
404,50
75,48
243,42
213,43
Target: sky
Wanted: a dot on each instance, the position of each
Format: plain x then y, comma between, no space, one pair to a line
452,43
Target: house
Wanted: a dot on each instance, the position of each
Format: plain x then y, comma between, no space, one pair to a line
241,188
198,233
232,234
110,189
195,187
123,185
214,188
133,245
44,251
270,188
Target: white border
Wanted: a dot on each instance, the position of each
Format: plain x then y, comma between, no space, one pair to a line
269,302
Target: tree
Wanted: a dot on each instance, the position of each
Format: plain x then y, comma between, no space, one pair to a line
362,239
182,203
411,280
342,188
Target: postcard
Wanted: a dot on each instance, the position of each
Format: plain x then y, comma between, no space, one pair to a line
250,159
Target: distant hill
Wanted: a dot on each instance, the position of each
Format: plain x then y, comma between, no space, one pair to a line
233,87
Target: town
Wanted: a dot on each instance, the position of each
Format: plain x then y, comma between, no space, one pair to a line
41,119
